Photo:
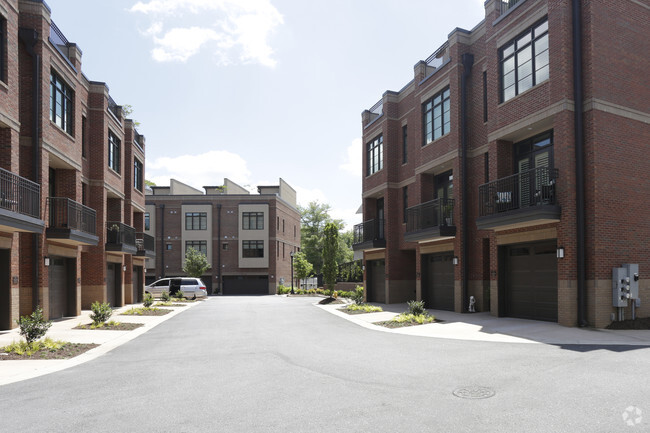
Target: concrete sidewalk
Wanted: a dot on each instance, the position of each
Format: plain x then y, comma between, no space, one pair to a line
62,329
484,327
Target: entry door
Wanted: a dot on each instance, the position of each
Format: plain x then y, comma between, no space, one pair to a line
5,289
137,284
377,281
58,276
444,191
110,284
438,292
380,218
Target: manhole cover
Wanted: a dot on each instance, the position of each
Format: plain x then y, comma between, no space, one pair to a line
474,392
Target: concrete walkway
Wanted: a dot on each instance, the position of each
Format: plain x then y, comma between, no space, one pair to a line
484,327
62,329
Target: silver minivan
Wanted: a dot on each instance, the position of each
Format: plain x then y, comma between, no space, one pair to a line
192,287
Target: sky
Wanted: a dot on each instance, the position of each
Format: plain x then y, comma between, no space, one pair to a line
256,90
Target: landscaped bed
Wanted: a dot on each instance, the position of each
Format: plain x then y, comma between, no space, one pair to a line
45,349
360,309
146,311
638,323
111,326
404,320
167,304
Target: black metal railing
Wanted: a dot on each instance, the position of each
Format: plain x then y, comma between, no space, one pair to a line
438,57
19,195
505,5
370,230
144,242
57,36
350,272
113,108
529,188
118,233
378,108
137,139
68,214
434,213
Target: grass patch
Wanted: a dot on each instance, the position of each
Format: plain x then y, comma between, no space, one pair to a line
145,311
43,349
407,319
112,326
361,309
167,304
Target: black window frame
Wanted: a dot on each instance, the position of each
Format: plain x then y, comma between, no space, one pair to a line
147,221
138,174
404,144
3,49
375,155
252,221
512,49
61,91
442,100
196,220
202,246
405,202
84,137
252,249
114,149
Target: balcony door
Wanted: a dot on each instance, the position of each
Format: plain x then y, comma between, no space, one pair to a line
536,152
380,218
444,191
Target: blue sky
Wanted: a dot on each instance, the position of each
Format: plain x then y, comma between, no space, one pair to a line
254,90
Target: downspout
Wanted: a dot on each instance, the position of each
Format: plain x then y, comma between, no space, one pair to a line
162,239
579,146
218,248
468,62
30,39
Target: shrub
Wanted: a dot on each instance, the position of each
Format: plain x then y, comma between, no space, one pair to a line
34,326
416,308
283,290
180,294
100,312
165,296
335,294
365,308
148,299
357,297
414,318
24,348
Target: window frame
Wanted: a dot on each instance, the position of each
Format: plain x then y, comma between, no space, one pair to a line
3,49
60,90
404,144
138,174
202,246
249,217
114,149
441,100
198,221
147,221
375,155
248,246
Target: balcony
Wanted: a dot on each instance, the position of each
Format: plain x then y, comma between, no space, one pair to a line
120,238
523,199
369,235
146,245
430,221
71,222
20,204
504,6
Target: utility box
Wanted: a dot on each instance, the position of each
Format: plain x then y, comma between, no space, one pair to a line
620,287
633,274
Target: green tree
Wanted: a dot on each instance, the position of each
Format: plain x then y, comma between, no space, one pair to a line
149,183
301,266
128,110
330,250
196,263
313,220
345,253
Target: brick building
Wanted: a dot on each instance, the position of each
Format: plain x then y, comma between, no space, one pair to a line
71,177
247,238
509,168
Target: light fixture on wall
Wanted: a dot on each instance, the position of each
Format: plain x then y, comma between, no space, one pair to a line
454,260
560,253
124,268
46,261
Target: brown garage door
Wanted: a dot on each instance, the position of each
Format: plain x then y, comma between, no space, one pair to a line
58,287
531,281
438,281
246,285
376,281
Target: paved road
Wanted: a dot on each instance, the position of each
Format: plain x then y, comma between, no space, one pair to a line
276,364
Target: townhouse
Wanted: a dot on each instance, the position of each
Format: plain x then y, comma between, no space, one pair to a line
248,239
510,169
71,177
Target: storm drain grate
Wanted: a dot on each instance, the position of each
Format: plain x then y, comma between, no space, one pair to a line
474,392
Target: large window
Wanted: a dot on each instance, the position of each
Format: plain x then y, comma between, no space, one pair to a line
147,221
200,246
196,221
436,117
61,103
3,48
137,175
253,221
375,155
524,61
114,145
404,145
252,249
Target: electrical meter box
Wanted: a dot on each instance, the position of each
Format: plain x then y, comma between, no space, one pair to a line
633,274
625,284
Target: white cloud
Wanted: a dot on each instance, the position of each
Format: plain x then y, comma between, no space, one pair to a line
352,164
206,169
240,29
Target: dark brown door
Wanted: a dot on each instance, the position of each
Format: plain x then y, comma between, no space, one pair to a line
376,281
111,281
5,289
438,281
58,287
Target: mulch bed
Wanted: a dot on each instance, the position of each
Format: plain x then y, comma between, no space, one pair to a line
120,327
392,325
353,312
156,312
331,301
170,305
638,323
70,350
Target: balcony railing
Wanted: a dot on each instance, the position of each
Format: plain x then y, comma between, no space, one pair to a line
118,233
434,213
68,214
19,195
371,230
114,108
144,242
504,6
529,188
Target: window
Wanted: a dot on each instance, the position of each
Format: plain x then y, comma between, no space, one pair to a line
252,249
282,226
200,246
113,152
405,200
253,221
61,97
83,136
486,168
137,175
147,221
524,61
84,194
404,145
294,231
168,246
436,117
225,247
375,155
3,49
485,99
196,221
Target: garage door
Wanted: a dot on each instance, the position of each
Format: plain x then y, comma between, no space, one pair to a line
438,281
531,281
58,275
5,289
376,281
246,285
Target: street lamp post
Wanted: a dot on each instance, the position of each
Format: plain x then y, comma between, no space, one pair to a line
291,254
